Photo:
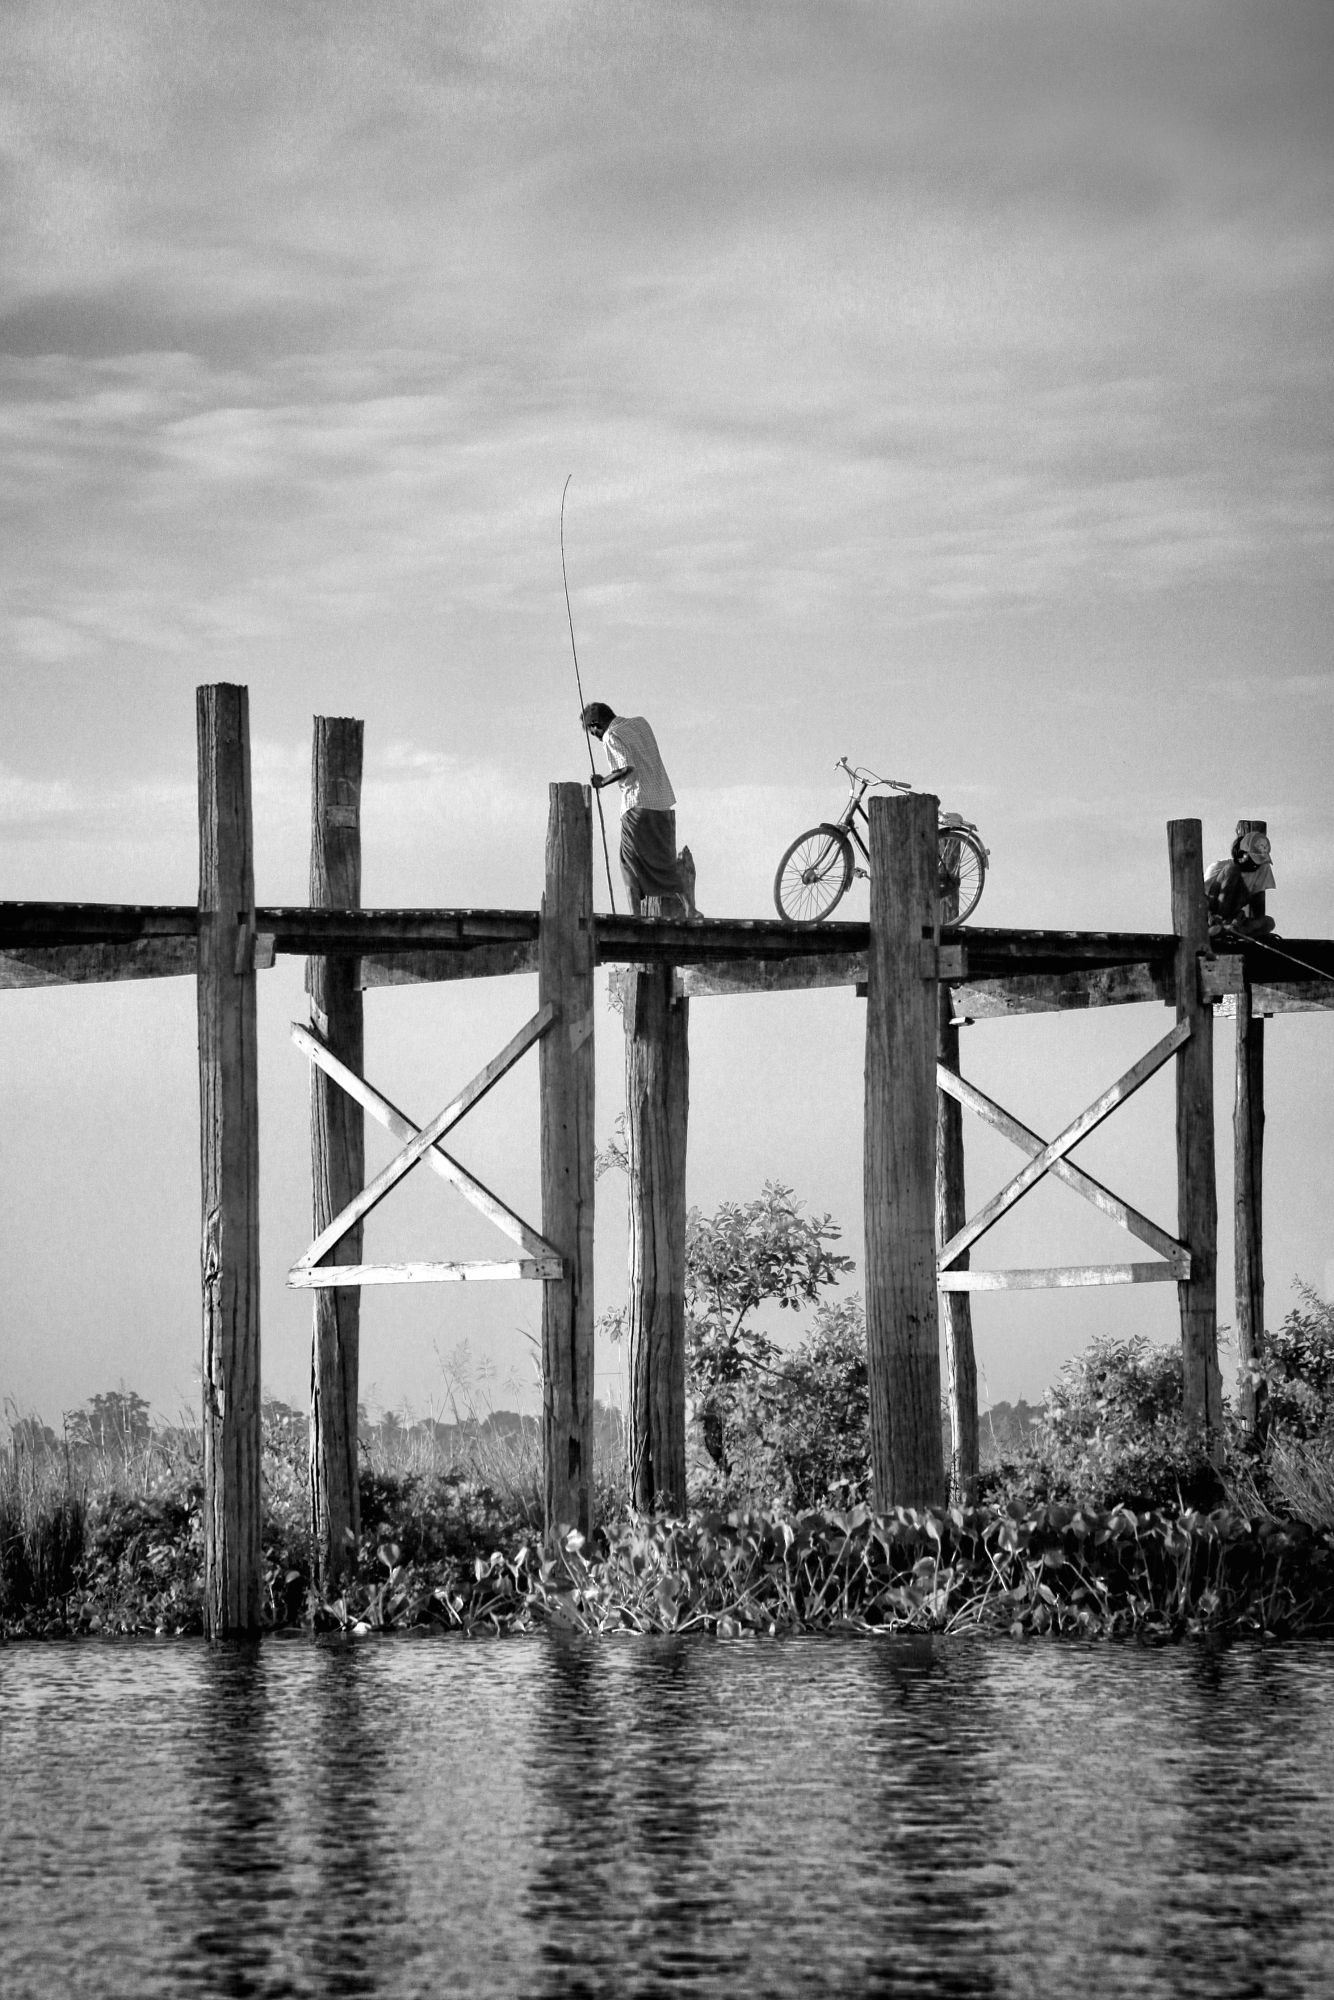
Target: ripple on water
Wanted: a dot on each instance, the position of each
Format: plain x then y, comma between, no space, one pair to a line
435,1816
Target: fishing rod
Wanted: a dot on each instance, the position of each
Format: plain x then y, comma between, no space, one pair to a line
580,685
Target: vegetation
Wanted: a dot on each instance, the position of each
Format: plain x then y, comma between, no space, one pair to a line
1099,1513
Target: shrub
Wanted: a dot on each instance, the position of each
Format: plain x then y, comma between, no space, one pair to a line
800,1433
1297,1364
1114,1433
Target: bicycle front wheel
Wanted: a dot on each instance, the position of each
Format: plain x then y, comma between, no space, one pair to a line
813,875
963,871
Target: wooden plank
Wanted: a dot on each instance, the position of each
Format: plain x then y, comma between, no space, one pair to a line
565,986
1063,992
329,1277
337,1151
956,1309
1056,1275
902,1310
657,1107
1197,1195
427,1135
421,968
50,924
443,1163
772,975
1295,996
88,964
1224,973
229,1170
1087,1121
1065,1170
359,933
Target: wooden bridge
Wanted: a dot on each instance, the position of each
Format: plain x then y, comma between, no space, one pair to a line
922,981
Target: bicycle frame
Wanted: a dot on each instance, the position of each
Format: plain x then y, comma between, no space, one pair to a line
862,782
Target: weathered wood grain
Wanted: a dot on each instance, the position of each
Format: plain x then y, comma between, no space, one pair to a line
657,1101
565,985
229,1169
951,1214
89,964
424,968
1055,1275
334,1277
1197,1195
337,1150
1248,1140
902,1314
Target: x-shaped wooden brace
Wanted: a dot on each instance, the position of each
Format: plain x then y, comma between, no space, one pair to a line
422,1143
1050,1158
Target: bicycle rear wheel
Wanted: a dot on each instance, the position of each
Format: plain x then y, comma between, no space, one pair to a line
813,875
963,871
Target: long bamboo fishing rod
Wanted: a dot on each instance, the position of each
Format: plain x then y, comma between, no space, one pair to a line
578,681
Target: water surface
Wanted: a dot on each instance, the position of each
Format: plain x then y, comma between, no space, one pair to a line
549,1817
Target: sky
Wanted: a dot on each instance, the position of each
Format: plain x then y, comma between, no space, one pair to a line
947,386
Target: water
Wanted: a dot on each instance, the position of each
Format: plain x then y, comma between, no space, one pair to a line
435,1816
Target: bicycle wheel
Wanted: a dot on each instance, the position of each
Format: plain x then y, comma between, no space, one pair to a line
963,871
813,874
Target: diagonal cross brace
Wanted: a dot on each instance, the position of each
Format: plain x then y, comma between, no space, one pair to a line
1177,1255
416,1148
1065,1142
402,1127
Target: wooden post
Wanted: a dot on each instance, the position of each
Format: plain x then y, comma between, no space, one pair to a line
565,978
657,1102
1197,1193
229,1164
337,1151
1248,1142
951,1214
902,1327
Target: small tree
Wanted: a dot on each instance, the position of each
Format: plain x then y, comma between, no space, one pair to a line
744,1255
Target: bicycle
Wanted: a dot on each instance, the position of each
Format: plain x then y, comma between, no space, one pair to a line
818,869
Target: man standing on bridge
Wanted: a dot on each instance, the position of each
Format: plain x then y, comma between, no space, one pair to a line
648,822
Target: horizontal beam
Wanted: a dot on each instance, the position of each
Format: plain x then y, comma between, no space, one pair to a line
1300,996
1061,992
91,964
772,975
993,954
325,1277
424,968
93,923
1042,1280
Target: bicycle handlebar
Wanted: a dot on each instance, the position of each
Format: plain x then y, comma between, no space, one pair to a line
856,771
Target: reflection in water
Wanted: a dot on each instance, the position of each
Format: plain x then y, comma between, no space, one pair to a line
933,1817
238,1894
811,1817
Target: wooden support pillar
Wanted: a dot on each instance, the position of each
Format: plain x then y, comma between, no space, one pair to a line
565,978
1248,1143
1197,1193
337,1151
955,1307
229,1165
657,1102
902,1326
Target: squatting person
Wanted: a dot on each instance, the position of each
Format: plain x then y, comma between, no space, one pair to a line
648,821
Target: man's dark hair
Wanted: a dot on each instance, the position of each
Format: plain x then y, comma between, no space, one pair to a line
597,715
